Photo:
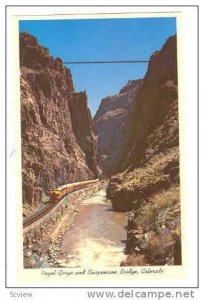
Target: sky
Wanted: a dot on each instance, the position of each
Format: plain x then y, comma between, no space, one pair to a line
103,40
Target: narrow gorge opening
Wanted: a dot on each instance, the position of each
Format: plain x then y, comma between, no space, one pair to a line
128,150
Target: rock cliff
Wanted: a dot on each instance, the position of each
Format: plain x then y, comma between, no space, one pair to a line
148,185
154,130
112,126
84,130
54,149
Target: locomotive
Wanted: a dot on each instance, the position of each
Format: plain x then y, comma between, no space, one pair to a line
60,192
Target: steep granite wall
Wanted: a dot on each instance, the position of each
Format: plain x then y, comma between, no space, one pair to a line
154,129
112,126
149,183
51,153
154,124
84,130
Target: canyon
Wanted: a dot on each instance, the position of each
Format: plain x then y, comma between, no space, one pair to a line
132,142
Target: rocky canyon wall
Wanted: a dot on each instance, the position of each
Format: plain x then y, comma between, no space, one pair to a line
113,126
148,183
154,129
54,149
84,130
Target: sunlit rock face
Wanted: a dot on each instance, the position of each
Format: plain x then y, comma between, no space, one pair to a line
83,129
53,153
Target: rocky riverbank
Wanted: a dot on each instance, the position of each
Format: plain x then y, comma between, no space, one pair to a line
152,196
42,246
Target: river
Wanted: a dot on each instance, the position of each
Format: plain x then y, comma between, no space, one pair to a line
97,238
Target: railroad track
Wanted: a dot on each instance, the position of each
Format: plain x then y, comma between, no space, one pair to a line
39,214
45,210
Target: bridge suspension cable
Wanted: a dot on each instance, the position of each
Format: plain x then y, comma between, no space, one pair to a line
107,62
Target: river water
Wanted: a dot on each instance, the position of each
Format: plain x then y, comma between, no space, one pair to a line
97,238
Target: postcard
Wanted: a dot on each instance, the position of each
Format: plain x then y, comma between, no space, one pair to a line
100,196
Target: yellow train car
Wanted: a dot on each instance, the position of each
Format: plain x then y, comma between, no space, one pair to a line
62,191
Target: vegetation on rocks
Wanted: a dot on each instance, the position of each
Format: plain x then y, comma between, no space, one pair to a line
148,184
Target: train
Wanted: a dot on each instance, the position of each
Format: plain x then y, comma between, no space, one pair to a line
60,192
